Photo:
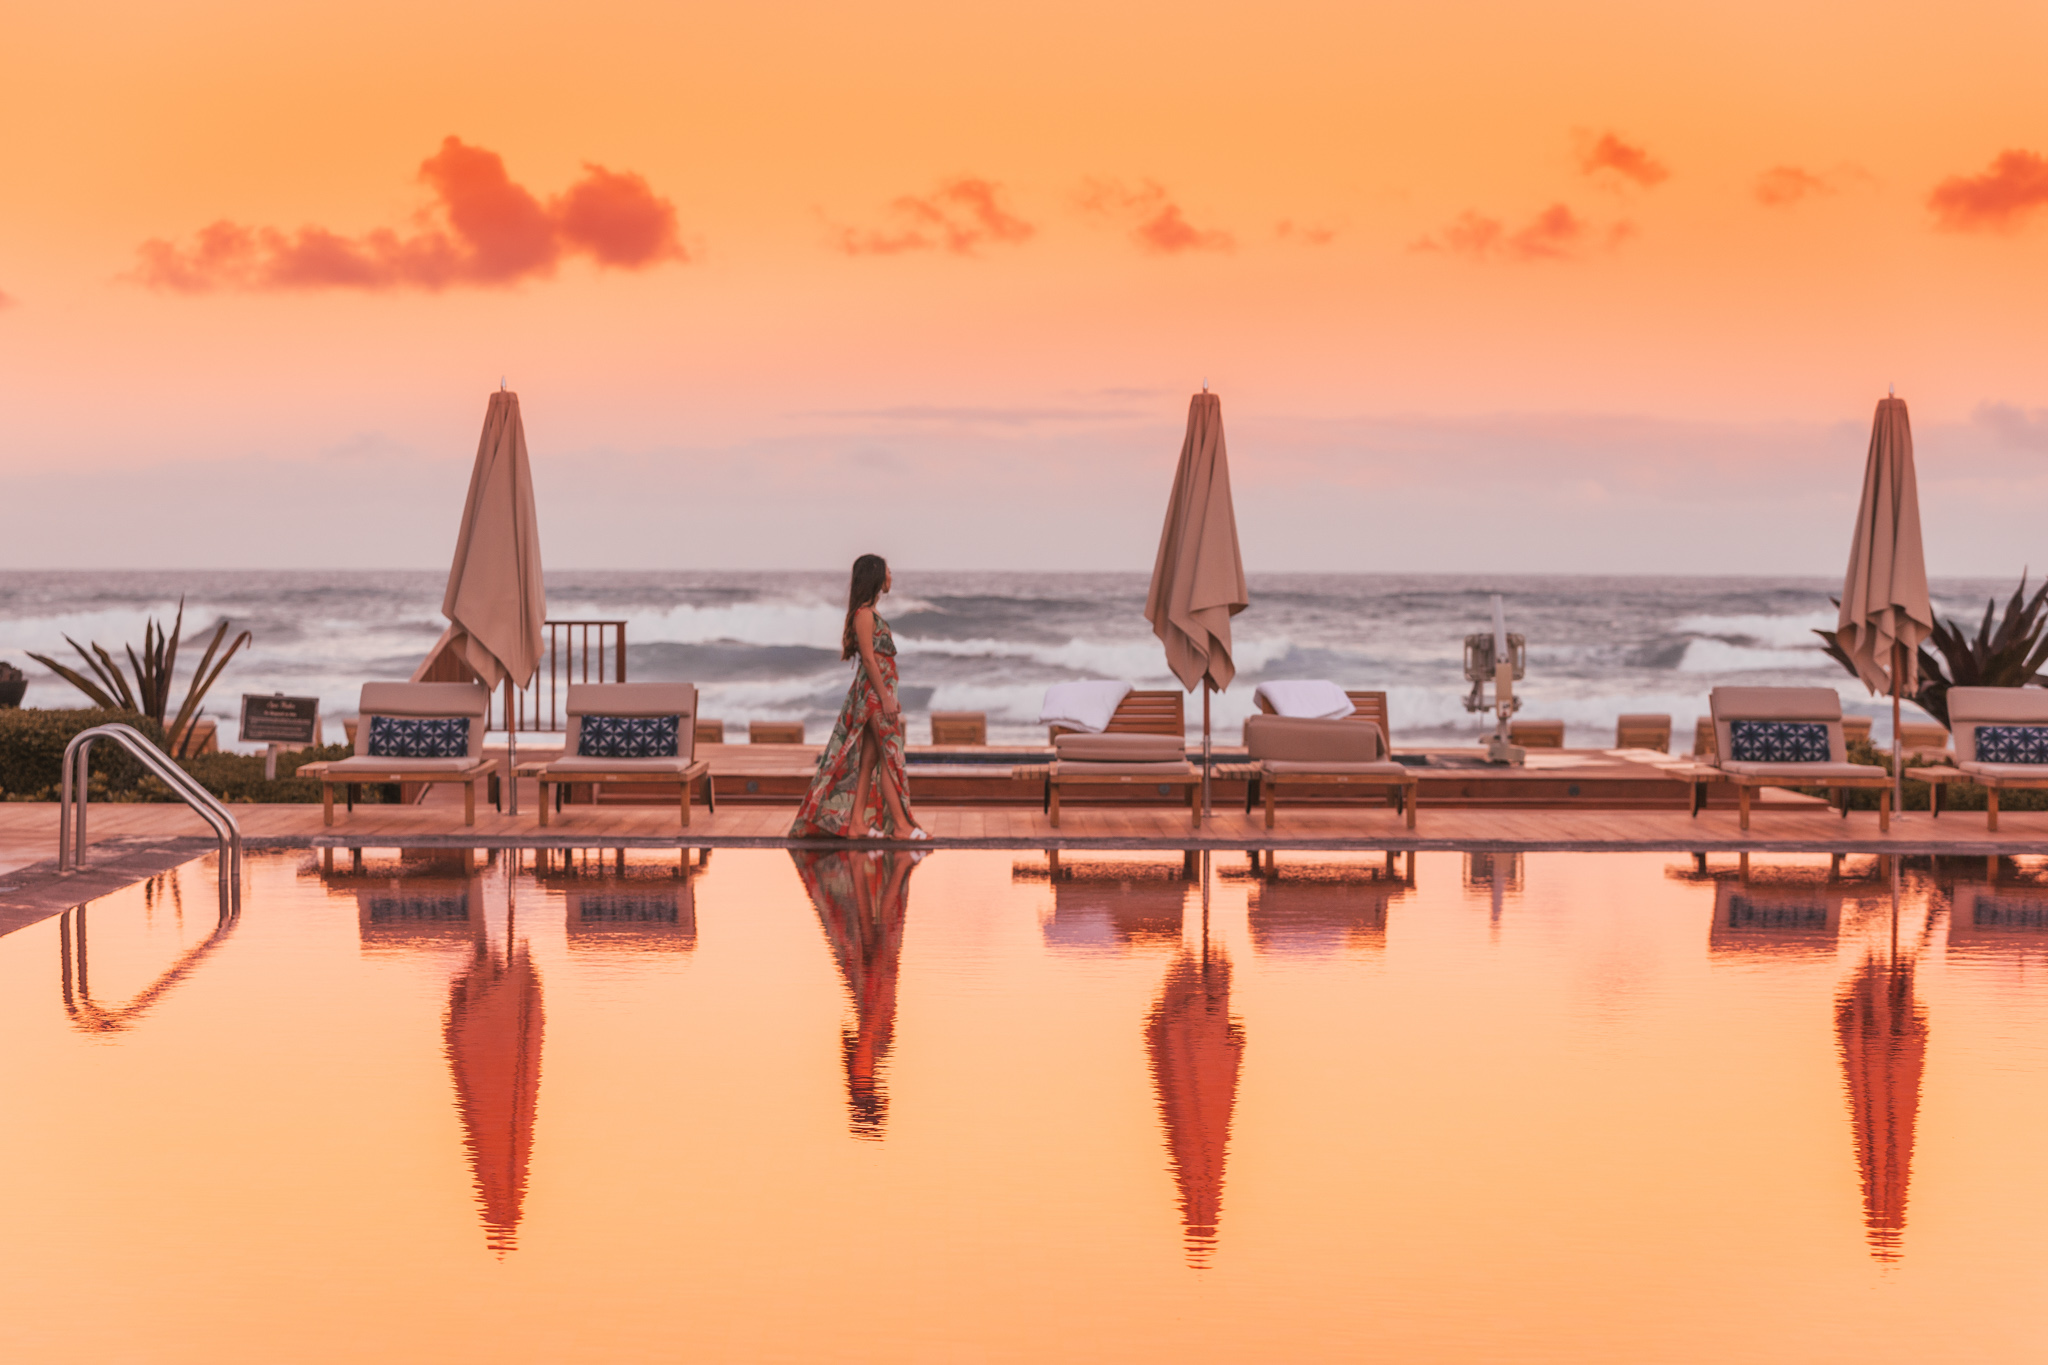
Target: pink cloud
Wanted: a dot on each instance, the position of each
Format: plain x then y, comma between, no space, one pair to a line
1555,234
483,229
1632,163
959,216
1160,226
1999,200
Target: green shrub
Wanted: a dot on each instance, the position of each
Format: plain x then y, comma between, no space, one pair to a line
32,755
239,777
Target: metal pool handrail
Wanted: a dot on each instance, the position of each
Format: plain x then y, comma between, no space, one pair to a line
78,753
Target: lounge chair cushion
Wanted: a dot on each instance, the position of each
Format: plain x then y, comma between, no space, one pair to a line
430,701
1817,774
366,764
2012,744
1778,741
1281,767
1730,704
2004,769
628,736
674,702
1120,748
1152,770
419,737
581,763
1302,739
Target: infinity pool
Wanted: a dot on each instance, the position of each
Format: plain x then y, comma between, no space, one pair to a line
979,1107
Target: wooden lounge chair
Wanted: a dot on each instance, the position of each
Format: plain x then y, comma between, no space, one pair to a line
1991,725
1140,713
960,727
389,722
1788,737
1298,752
1536,734
1370,706
1644,732
710,731
583,758
775,732
1122,762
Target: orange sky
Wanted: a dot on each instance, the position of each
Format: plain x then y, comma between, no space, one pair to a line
1556,276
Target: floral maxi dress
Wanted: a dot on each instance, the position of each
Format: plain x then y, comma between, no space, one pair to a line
832,806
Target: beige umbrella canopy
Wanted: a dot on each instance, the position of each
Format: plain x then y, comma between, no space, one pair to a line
1885,609
1198,578
496,602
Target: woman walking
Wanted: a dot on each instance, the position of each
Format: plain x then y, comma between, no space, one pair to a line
861,778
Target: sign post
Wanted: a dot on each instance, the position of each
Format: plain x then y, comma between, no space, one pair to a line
281,722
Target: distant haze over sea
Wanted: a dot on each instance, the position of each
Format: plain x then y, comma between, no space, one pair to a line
765,645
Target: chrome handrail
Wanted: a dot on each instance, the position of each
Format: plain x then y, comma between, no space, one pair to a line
78,754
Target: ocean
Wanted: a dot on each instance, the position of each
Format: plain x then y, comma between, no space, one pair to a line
763,646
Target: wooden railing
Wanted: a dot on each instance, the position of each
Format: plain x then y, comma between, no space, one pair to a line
573,652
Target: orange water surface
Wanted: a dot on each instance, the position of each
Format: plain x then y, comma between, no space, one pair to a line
982,1106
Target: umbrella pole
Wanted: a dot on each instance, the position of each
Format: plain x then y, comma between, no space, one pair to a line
1207,687
511,752
1898,749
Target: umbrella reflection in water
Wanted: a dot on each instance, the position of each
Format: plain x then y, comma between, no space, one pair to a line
1882,1031
862,902
493,1032
1197,1051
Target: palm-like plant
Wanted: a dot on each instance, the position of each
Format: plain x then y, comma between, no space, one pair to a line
151,692
2008,655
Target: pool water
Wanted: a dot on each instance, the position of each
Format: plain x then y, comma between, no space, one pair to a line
977,1106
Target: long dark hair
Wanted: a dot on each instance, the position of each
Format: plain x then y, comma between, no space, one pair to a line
869,573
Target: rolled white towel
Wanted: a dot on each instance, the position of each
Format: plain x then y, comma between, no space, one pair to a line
1083,705
1315,698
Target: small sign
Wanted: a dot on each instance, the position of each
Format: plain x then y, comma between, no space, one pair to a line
278,719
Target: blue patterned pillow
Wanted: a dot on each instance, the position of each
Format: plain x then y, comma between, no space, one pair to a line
1778,741
419,736
2012,744
628,737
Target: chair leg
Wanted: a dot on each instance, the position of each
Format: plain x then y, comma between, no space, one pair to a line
710,794
686,805
1742,805
1052,802
543,803
1991,809
1272,797
1195,803
326,803
1884,811
1411,797
469,802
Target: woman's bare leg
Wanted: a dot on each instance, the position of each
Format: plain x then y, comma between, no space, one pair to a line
868,760
892,800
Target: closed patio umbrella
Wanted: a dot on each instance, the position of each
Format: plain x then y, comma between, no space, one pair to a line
1885,609
1198,577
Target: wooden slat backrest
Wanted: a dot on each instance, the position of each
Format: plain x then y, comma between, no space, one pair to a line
1372,706
1143,713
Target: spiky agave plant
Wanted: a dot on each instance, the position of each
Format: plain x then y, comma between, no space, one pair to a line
151,692
2008,655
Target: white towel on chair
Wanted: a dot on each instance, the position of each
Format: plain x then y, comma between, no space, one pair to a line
1083,705
1315,698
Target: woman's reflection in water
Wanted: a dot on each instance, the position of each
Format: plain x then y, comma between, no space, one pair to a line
862,900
